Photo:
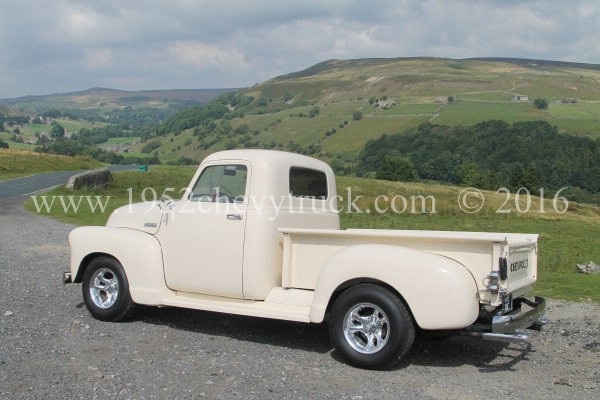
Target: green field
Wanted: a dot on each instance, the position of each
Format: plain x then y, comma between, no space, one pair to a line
28,131
17,163
565,238
7,137
469,112
410,109
120,140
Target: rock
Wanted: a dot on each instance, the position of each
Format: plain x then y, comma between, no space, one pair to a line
8,313
562,381
591,268
589,386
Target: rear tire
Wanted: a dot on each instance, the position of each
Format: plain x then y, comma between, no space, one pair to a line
106,290
371,327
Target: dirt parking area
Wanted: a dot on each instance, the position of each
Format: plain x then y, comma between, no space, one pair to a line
52,348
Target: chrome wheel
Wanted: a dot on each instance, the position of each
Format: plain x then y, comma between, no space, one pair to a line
366,328
104,288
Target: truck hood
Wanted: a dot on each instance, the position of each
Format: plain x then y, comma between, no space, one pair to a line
144,217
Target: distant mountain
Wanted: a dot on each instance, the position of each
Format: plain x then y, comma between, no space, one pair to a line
103,99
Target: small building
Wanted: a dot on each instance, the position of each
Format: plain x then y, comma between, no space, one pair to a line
520,97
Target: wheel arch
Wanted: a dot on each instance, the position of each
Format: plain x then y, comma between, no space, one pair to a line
139,254
85,262
439,292
357,281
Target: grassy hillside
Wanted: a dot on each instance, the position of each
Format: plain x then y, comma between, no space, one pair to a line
392,95
566,238
16,163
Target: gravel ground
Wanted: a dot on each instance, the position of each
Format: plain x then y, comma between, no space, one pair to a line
52,348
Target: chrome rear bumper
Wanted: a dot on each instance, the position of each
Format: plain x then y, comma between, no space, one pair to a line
511,327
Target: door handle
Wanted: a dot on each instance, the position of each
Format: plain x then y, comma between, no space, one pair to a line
236,217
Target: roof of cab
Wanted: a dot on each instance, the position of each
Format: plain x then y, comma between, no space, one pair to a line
258,156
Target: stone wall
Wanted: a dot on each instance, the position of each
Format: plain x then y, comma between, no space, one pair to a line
91,179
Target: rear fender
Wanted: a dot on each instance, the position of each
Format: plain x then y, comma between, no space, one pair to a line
440,292
139,253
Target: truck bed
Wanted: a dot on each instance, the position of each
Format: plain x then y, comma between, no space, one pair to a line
305,251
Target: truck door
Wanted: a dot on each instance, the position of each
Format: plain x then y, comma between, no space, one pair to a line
202,237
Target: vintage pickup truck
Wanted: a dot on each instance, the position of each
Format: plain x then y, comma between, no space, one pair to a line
257,233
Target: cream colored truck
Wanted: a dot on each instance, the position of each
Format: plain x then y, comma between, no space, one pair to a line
257,233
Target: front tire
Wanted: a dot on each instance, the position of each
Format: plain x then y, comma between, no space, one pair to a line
106,290
371,327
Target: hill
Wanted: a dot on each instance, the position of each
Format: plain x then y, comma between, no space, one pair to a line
101,100
334,108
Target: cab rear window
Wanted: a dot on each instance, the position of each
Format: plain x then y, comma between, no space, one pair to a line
308,183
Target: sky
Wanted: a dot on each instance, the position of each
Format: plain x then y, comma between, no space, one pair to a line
55,46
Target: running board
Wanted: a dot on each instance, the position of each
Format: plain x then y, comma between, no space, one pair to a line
254,308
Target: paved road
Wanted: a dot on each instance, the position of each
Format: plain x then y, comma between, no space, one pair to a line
36,183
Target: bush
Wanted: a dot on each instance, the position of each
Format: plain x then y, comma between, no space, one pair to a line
397,169
358,115
540,104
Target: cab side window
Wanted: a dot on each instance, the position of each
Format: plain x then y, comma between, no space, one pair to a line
221,183
308,183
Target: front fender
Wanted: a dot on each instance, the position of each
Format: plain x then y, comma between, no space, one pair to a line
139,253
440,292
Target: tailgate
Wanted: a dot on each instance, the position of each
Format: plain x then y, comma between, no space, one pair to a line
520,266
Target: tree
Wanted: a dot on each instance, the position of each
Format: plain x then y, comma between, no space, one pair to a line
57,130
528,177
43,141
540,104
450,99
469,175
357,115
3,144
262,102
397,169
242,129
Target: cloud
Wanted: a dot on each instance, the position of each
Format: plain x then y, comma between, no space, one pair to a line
144,44
99,59
203,56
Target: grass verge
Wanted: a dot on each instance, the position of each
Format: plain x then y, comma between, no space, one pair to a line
17,163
